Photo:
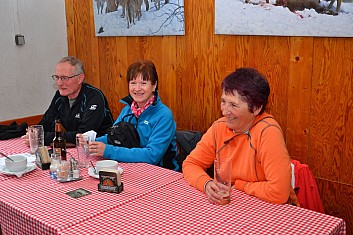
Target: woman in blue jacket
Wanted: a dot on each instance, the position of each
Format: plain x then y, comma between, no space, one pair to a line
156,126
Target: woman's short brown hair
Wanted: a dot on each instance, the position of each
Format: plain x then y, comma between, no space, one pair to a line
144,67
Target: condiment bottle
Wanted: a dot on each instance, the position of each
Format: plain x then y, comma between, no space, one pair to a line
59,142
55,162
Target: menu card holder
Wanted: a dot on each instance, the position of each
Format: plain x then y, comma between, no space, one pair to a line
110,181
42,158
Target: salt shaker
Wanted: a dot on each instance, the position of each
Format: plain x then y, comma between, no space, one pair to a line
54,164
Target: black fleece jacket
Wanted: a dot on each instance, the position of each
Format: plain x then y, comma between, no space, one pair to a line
90,111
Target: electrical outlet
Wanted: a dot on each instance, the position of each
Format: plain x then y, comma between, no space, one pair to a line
19,39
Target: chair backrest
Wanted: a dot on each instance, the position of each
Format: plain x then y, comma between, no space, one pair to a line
306,187
186,142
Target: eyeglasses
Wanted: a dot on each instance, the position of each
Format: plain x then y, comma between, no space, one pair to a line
63,78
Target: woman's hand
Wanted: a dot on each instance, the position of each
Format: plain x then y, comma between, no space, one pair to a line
96,148
211,190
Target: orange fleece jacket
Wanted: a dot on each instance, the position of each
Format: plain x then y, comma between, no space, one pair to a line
260,160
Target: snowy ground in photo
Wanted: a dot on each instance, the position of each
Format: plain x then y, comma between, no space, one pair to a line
168,20
239,18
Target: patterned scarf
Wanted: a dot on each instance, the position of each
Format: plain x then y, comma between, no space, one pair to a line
137,111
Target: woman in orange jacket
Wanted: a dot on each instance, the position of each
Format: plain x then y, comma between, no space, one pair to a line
250,137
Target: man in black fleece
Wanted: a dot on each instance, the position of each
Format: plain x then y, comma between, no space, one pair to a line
80,106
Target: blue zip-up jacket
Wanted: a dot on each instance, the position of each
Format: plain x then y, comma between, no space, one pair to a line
157,131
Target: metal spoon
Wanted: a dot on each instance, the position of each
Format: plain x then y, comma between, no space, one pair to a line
6,156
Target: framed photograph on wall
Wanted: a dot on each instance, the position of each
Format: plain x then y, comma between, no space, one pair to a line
138,17
320,18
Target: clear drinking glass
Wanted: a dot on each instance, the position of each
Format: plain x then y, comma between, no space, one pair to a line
82,145
63,170
36,137
223,176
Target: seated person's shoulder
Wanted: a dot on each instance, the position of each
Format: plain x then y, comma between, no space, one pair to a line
92,92
266,122
221,122
91,89
164,110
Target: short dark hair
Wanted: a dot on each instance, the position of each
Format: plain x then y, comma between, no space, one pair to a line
79,68
249,84
144,67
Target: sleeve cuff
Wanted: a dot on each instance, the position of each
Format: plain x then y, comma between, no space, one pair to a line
201,181
204,186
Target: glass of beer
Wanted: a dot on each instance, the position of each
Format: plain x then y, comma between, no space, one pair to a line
223,176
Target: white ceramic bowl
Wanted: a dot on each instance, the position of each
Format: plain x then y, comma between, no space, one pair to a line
106,164
19,163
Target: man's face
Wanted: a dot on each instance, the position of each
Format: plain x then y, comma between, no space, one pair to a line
70,88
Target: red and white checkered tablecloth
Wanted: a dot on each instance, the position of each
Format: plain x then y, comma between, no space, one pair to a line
37,204
13,146
9,147
179,208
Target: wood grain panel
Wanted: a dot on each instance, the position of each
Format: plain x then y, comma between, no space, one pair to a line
86,35
300,72
167,68
70,22
330,192
328,109
114,65
95,79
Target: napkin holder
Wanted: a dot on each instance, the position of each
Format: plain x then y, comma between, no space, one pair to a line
110,181
42,158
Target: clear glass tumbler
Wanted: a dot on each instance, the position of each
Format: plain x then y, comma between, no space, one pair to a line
82,145
223,176
63,170
36,137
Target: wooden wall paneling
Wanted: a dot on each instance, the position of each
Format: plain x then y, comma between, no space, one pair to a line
337,200
70,22
182,76
167,68
225,56
223,65
134,50
121,87
95,78
185,74
299,94
327,125
85,35
203,68
113,66
270,56
345,73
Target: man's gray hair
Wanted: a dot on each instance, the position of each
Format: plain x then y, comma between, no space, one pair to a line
79,68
